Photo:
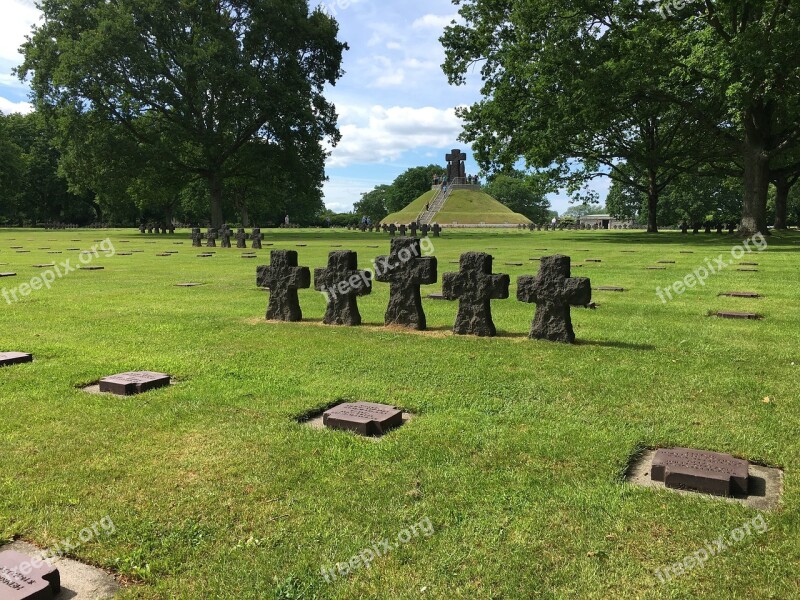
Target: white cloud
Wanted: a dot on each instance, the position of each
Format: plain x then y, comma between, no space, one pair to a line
342,192
387,133
7,107
18,16
434,21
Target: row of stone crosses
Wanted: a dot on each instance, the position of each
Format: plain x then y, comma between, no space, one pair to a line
405,269
224,235
403,230
149,228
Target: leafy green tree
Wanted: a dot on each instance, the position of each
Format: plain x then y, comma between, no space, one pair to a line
11,172
410,185
522,195
373,203
563,85
208,88
715,87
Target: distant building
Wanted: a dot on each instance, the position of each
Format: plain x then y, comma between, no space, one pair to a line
605,222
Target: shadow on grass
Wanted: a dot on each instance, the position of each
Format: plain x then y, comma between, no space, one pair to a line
621,345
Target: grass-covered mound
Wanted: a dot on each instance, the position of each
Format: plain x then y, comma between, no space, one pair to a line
465,207
412,211
515,455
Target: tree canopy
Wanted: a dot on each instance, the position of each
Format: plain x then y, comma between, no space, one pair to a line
218,90
581,88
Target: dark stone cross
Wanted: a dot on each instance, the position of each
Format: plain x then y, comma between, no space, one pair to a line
413,228
241,238
455,165
392,229
211,238
225,236
256,236
474,286
342,283
425,229
405,269
403,230
436,230
197,237
554,291
283,278
142,228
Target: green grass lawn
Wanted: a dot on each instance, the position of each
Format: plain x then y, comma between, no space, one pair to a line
515,456
466,207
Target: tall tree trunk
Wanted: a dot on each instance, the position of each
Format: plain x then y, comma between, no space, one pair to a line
652,202
782,187
215,190
756,173
245,216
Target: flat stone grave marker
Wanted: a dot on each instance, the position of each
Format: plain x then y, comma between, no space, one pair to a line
373,246
748,264
363,418
164,254
656,268
686,252
187,285
8,274
737,315
14,358
666,262
124,253
249,256
16,247
741,294
134,382
608,288
171,252
46,248
55,252
592,260
21,580
748,270
513,264
91,268
72,249
436,296
702,471
204,255
44,265
23,251
137,251
628,251
302,245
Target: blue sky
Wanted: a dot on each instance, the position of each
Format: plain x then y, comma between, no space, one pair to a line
395,107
